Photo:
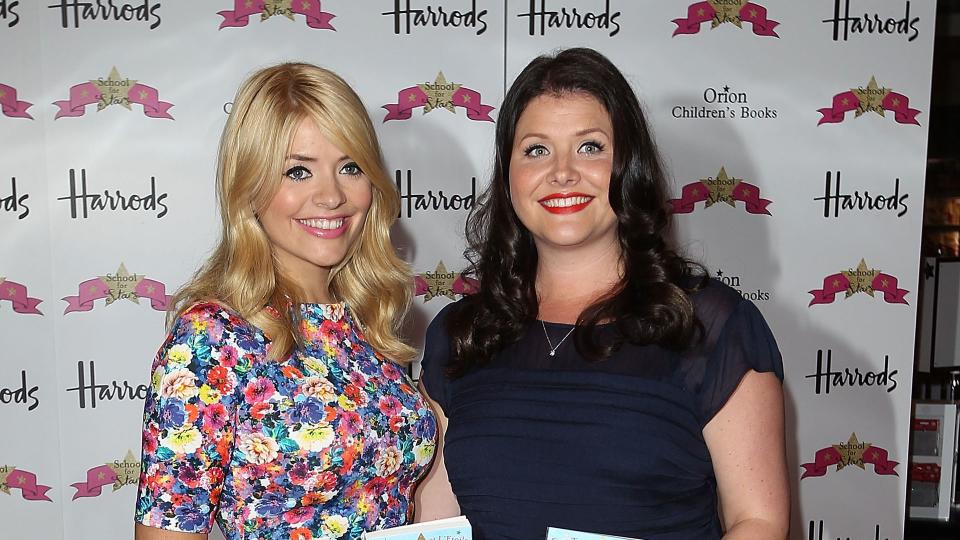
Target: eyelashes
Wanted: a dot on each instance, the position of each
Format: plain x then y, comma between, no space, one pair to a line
587,147
299,173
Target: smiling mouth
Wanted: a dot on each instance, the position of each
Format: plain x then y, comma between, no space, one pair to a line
565,203
324,228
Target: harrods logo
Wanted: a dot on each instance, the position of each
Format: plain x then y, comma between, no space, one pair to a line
11,106
859,280
737,283
815,532
438,95
118,473
443,282
723,103
114,90
8,12
835,200
145,11
89,391
869,98
83,202
845,24
239,16
726,11
119,286
432,201
16,294
829,377
721,188
15,202
542,17
12,478
406,17
852,452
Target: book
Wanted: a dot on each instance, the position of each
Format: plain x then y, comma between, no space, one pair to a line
554,533
456,528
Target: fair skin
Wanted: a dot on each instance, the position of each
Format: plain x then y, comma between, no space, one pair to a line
563,150
314,218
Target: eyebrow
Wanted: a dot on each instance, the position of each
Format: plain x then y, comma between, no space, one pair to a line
580,133
310,159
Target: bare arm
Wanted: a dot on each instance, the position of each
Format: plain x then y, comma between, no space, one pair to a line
434,498
142,532
746,442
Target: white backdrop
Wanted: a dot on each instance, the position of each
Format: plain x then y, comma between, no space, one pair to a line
789,166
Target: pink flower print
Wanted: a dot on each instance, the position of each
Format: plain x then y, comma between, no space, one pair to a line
390,405
350,423
298,515
228,356
214,417
391,371
259,390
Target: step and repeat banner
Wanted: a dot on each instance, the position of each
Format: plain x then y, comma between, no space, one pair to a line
795,136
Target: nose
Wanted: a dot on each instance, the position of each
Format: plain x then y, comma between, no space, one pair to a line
564,171
328,193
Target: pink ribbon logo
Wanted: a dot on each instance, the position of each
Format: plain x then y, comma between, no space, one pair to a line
832,284
239,16
97,477
10,105
861,279
26,482
827,457
95,289
443,282
869,98
414,97
702,12
87,93
19,300
744,192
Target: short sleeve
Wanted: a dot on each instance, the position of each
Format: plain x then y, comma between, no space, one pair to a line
745,343
437,351
187,421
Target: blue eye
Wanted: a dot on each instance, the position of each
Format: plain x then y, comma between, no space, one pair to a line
591,147
535,150
351,169
298,173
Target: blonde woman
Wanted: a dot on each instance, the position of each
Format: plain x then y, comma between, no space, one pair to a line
279,407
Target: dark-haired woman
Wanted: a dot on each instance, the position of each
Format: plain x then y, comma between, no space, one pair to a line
598,381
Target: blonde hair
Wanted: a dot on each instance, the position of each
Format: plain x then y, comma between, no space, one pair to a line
242,272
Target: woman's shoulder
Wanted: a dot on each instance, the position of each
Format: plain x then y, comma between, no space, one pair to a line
715,302
214,318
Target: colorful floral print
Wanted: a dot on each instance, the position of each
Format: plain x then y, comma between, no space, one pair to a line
326,444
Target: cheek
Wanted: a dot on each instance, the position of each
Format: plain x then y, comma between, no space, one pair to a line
360,196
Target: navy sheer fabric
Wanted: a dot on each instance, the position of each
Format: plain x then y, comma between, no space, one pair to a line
613,446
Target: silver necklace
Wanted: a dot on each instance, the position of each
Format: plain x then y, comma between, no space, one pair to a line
553,350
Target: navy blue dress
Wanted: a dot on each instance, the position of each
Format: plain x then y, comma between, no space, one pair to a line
614,446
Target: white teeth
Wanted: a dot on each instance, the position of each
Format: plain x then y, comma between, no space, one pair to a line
322,223
565,202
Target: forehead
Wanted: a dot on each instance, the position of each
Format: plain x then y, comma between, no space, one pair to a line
309,136
562,113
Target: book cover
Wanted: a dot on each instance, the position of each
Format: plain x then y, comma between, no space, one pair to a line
553,533
457,528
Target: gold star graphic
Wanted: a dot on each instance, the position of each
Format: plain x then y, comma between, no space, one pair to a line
861,279
726,11
127,471
248,4
113,90
721,188
3,94
871,97
851,452
439,282
123,284
277,7
439,94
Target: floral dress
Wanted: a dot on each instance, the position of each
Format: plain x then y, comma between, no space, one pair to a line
326,444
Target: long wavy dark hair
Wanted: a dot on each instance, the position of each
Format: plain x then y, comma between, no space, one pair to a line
649,305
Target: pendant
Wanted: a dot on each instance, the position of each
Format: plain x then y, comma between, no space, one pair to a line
553,352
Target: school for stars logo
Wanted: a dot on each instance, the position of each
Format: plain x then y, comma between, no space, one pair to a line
438,94
121,285
11,106
239,16
720,12
12,478
16,294
853,452
114,89
117,473
870,98
861,279
720,188
443,282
